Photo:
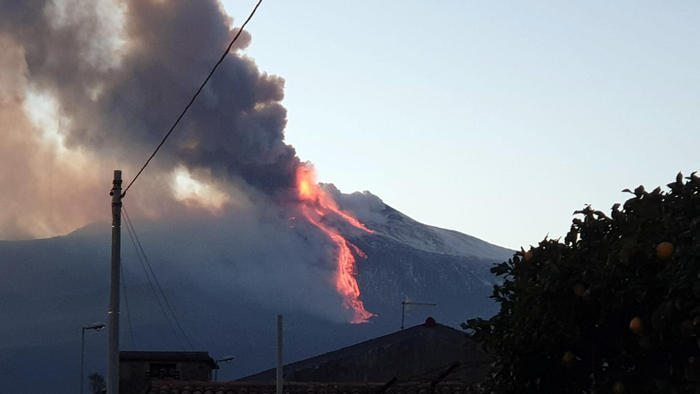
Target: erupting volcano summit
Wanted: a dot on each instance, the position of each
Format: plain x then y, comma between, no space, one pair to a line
316,205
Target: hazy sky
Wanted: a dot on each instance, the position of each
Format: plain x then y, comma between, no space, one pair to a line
497,119
492,118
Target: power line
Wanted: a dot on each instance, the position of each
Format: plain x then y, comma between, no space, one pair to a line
155,284
146,264
128,311
150,283
199,90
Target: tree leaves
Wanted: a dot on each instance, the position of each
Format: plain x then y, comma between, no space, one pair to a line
615,256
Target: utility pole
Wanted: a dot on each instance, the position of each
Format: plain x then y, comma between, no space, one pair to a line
113,314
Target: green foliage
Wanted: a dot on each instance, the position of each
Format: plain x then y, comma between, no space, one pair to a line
580,296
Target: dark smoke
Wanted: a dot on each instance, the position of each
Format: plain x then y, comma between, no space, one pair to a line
236,128
121,71
237,125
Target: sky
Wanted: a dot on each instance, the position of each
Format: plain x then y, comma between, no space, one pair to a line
496,119
490,118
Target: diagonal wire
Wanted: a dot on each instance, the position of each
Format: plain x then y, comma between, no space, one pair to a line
128,310
155,278
187,107
150,283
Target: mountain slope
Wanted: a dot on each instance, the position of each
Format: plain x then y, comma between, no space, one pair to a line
226,278
393,224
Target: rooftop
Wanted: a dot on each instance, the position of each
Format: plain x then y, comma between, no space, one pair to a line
183,387
420,352
126,356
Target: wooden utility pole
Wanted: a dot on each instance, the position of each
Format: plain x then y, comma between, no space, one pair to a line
113,314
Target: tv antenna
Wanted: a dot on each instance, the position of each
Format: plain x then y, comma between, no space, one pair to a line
403,308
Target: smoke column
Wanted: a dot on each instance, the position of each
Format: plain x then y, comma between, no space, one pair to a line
86,87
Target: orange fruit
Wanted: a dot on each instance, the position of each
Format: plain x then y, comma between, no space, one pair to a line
636,325
568,359
664,250
618,388
579,289
527,256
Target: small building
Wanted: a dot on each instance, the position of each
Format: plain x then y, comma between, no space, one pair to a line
426,359
180,387
138,369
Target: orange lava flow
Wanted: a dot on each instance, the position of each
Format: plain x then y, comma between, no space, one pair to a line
316,205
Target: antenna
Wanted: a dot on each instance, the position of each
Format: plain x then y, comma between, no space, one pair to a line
403,308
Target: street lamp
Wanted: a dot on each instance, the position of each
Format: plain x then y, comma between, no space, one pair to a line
93,326
226,359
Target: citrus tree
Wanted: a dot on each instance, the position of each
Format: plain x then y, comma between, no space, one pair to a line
615,308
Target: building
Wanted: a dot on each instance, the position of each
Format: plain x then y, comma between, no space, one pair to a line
180,387
138,369
419,353
426,359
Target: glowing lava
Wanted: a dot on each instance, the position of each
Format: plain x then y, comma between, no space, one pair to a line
317,204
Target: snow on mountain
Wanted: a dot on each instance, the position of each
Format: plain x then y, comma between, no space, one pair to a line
226,279
393,224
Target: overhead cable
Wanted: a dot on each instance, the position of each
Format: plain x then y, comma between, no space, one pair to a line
187,107
128,310
151,285
157,289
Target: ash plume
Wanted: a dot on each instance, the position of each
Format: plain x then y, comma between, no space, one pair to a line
117,72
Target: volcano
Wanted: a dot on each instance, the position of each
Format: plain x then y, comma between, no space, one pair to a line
228,218
226,278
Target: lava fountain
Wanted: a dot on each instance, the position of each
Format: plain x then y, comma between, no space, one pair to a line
316,205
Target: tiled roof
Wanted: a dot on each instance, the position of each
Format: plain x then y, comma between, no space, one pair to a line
419,353
126,356
184,387
154,355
